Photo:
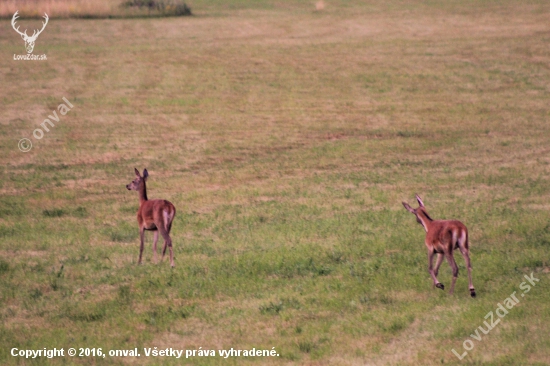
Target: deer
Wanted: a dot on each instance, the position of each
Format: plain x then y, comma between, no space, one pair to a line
153,215
29,41
443,237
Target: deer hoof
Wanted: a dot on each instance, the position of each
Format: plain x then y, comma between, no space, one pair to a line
473,293
440,285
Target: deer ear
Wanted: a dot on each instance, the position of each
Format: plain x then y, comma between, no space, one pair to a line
137,173
419,201
145,173
409,208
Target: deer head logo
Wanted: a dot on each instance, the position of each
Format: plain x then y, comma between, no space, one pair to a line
29,41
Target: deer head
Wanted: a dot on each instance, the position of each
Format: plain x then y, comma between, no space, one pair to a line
420,212
136,183
29,41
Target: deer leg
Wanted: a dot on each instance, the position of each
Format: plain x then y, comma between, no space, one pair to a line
167,243
469,267
168,225
438,262
163,233
454,267
155,239
161,229
164,250
142,239
171,254
431,270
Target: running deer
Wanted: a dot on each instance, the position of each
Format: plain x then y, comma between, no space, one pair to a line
153,215
443,237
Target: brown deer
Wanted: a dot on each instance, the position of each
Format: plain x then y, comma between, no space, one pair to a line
153,215
442,237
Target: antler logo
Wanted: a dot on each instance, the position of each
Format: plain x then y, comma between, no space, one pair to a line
29,41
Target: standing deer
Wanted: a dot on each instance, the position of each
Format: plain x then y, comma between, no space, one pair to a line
153,215
442,237
29,41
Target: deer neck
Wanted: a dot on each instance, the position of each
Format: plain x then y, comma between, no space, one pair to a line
425,220
142,193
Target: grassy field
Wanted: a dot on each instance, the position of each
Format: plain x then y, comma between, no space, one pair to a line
287,138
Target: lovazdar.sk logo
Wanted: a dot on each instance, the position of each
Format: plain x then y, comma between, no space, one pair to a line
29,40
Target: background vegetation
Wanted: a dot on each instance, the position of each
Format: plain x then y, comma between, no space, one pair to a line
286,134
95,9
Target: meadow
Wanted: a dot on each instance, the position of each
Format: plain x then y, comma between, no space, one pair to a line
287,136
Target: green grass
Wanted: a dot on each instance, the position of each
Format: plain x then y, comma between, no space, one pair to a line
287,139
